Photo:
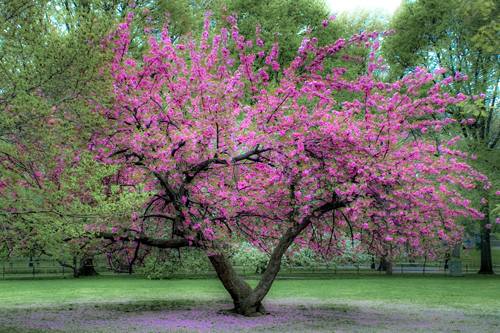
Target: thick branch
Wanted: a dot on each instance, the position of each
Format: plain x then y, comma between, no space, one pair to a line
191,173
154,242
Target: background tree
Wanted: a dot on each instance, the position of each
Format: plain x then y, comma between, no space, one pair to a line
280,21
484,14
436,34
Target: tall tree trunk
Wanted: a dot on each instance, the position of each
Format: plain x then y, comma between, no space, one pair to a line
383,266
389,268
486,263
76,271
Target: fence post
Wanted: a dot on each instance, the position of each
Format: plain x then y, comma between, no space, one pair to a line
63,270
466,269
33,270
4,271
401,267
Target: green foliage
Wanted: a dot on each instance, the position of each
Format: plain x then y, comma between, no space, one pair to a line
50,184
351,255
486,15
281,21
306,258
250,257
421,27
162,264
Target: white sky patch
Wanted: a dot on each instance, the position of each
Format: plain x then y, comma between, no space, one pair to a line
342,5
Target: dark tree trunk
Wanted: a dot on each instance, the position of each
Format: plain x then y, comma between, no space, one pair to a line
389,269
486,263
76,271
383,266
87,268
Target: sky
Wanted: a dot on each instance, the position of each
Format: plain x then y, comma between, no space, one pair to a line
341,5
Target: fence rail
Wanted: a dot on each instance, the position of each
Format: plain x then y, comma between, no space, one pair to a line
30,269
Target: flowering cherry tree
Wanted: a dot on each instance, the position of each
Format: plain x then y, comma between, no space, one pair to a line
226,153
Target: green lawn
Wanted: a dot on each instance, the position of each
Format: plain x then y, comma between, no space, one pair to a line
468,292
366,302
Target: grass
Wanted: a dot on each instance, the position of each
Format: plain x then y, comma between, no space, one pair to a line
468,292
348,302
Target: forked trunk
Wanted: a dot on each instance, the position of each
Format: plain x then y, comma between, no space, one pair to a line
238,288
246,301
